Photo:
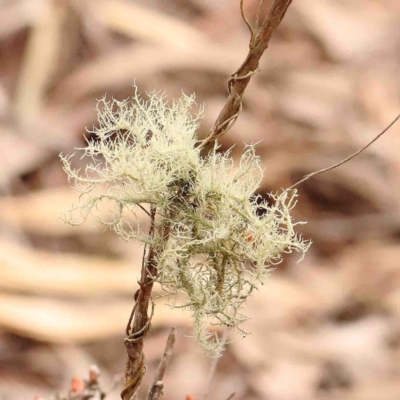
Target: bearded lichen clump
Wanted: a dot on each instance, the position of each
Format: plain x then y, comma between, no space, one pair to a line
222,239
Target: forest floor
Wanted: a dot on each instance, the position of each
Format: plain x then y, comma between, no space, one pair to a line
325,328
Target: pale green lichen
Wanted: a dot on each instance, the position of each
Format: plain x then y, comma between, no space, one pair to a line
218,249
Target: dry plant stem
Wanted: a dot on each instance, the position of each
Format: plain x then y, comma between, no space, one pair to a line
307,177
260,3
237,84
245,19
129,327
157,385
240,79
135,367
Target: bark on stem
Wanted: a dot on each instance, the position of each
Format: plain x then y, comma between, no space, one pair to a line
157,386
135,368
238,82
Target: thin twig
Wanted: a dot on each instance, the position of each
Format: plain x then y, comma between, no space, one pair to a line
157,385
128,326
140,334
348,158
135,367
267,20
144,210
240,79
257,21
245,19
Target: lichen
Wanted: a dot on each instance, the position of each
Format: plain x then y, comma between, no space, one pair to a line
223,240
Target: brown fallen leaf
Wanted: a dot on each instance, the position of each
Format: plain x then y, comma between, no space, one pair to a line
28,270
40,213
62,321
40,59
95,76
18,156
134,20
344,35
17,16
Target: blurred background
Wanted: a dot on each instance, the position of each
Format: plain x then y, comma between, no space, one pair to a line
326,328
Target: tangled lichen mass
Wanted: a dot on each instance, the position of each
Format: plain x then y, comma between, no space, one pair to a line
217,250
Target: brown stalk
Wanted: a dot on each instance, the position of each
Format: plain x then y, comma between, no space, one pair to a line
237,83
135,367
157,385
140,318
